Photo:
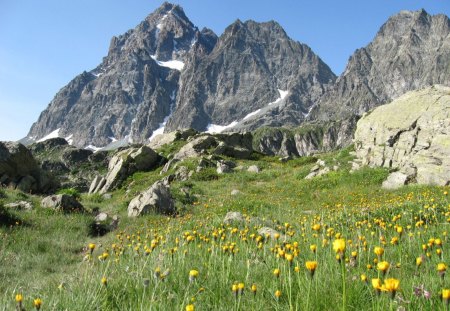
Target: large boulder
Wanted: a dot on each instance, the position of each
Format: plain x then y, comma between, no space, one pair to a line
196,147
19,169
168,138
234,145
62,202
124,164
411,135
156,199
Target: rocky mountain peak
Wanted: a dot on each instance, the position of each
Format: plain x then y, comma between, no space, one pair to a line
410,51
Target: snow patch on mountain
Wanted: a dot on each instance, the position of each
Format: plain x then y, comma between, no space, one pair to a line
251,114
53,134
172,64
283,94
214,128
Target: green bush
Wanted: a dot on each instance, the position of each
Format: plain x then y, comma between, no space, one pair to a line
206,174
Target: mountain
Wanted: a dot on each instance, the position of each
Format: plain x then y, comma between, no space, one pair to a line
133,90
410,51
255,75
166,74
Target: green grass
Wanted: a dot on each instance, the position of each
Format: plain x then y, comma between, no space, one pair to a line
41,249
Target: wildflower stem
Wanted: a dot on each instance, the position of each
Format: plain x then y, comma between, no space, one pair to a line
344,294
307,299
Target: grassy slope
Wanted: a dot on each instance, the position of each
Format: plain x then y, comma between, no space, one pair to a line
45,249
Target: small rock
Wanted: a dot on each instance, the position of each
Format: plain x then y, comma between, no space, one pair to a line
21,205
224,166
233,217
253,169
235,192
285,159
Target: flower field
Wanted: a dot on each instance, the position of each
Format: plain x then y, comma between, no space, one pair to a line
339,243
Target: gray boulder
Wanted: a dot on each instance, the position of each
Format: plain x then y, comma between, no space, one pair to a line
62,202
104,223
97,184
411,135
233,218
124,164
395,180
168,138
196,147
224,167
156,199
20,205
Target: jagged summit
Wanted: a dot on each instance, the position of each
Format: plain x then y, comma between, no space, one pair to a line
133,91
410,51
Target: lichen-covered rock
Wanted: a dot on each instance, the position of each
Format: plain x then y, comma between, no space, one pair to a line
411,134
224,167
196,147
157,199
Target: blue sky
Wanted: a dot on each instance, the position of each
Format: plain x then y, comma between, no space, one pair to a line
46,43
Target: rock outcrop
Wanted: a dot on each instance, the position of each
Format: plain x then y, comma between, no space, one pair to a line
411,135
157,199
70,166
122,165
233,145
19,169
304,140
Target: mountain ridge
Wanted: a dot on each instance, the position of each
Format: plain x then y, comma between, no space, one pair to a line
166,74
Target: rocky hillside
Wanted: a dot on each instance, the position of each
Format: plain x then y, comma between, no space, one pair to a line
410,135
410,51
